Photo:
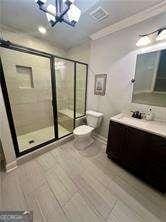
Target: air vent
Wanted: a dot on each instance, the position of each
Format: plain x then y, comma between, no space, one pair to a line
99,14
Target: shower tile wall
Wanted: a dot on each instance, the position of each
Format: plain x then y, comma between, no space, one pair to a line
80,89
2,158
65,88
30,96
70,87
28,79
64,71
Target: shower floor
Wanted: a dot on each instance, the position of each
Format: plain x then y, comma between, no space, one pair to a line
39,136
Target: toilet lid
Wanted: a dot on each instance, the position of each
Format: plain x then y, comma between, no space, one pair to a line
82,130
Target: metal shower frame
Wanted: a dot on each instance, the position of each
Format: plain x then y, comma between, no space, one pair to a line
52,57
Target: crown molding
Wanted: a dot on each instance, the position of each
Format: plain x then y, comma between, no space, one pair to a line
132,20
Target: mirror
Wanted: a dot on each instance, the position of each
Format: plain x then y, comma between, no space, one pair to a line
150,79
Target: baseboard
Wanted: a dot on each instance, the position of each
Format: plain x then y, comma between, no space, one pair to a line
100,138
43,150
11,166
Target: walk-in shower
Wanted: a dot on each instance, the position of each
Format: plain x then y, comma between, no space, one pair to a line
44,95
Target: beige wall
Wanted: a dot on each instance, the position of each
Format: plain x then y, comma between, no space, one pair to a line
65,87
65,83
2,158
5,135
32,108
115,55
80,53
29,41
65,79
80,89
30,103
24,104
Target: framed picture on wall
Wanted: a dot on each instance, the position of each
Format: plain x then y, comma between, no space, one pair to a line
100,84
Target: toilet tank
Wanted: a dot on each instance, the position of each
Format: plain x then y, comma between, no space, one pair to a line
93,118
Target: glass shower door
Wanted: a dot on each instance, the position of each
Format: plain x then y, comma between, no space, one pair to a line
81,81
64,71
28,81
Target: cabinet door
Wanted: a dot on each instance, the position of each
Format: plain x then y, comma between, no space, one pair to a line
158,149
116,138
134,149
156,162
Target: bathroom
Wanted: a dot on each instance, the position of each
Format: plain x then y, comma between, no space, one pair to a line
42,109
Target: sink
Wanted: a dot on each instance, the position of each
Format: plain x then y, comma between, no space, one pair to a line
132,121
155,127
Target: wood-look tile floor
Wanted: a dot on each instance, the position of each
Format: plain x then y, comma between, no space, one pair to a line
67,185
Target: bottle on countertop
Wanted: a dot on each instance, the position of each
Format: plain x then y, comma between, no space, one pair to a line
149,115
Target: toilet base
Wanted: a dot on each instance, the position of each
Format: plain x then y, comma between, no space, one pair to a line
82,143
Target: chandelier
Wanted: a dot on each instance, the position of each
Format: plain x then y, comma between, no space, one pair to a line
61,11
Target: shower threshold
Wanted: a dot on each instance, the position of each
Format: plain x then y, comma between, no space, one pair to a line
37,137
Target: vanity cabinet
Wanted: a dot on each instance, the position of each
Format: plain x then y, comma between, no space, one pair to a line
142,153
133,147
116,137
156,162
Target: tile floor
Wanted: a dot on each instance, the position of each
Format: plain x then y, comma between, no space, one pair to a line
39,136
67,185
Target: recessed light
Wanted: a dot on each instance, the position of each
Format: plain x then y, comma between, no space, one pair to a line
42,30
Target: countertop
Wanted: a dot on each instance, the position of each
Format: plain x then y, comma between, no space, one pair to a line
154,126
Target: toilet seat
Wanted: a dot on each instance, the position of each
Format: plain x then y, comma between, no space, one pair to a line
83,130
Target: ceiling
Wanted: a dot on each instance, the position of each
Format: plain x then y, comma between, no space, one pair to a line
25,16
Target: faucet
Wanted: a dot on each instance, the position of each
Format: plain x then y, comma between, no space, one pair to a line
137,114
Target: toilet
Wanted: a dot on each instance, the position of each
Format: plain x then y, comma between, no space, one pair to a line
83,133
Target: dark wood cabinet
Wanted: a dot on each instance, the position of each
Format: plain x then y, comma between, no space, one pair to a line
116,139
156,162
133,150
142,153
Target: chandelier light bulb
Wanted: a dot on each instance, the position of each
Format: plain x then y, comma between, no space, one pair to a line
59,12
51,8
143,41
74,13
51,17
